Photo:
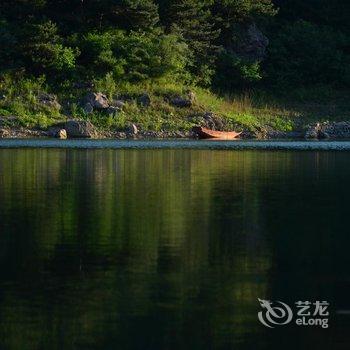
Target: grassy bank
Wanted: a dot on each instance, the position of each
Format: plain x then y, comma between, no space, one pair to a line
20,106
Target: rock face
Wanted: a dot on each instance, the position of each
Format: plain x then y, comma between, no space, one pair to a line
48,100
79,129
97,100
328,130
250,43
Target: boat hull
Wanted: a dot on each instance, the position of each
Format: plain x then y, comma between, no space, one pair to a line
204,133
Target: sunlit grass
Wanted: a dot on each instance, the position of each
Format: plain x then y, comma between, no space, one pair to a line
250,110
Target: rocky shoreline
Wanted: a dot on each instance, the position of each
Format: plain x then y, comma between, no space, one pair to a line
82,128
59,133
75,129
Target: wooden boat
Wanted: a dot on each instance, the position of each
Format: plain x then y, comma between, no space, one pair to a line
204,133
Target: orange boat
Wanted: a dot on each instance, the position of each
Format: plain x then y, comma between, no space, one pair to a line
204,133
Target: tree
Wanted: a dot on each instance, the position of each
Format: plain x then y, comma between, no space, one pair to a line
243,43
133,56
303,53
124,14
192,20
230,14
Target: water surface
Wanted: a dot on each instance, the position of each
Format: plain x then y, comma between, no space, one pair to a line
170,248
316,145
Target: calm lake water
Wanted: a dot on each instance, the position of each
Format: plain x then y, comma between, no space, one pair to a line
171,248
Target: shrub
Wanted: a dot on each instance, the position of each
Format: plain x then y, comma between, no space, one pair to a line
233,71
304,54
134,56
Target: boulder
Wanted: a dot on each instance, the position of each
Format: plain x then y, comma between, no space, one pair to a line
192,96
4,133
277,134
79,129
97,100
132,130
335,130
144,100
328,130
48,100
213,121
88,108
112,111
313,131
61,134
118,104
180,102
249,42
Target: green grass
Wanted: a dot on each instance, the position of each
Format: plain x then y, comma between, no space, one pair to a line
248,111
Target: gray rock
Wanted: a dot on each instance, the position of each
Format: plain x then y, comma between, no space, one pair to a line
328,130
121,135
79,129
249,42
61,134
276,134
132,130
213,121
192,96
48,100
97,100
118,104
144,100
4,133
313,131
323,135
339,130
88,108
112,111
180,102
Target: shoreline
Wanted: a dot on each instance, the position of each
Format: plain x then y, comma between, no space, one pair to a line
176,144
83,129
54,132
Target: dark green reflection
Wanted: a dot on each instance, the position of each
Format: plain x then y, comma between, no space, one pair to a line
164,249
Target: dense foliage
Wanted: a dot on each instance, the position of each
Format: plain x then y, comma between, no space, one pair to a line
227,44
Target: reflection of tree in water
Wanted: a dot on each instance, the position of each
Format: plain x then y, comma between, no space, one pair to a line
167,248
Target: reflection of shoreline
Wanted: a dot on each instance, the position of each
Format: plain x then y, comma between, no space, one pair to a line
175,144
122,240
